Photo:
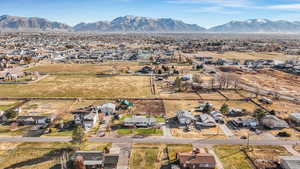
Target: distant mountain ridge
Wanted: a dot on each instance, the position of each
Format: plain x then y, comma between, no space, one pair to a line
139,24
29,23
257,25
143,24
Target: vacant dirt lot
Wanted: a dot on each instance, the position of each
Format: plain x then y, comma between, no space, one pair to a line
45,107
153,107
266,156
81,86
209,133
173,106
274,80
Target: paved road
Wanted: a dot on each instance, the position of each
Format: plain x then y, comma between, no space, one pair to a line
154,140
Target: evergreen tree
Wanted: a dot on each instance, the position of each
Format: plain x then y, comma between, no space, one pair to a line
259,113
78,136
207,108
224,109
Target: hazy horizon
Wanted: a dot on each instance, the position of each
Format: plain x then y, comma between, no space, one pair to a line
201,12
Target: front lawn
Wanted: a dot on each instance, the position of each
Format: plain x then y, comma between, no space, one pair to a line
140,131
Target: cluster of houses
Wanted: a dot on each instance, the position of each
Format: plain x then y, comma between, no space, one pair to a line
291,66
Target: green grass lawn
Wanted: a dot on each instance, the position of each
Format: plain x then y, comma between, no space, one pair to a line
232,157
140,131
56,133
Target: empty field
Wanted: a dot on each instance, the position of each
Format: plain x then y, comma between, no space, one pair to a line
109,67
213,96
235,105
273,80
179,95
249,55
81,86
46,107
232,94
149,107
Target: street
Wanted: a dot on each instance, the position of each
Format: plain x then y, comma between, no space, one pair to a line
163,140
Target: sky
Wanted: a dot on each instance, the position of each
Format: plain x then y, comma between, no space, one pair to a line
206,13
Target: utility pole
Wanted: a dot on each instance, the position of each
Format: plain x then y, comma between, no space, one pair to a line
248,140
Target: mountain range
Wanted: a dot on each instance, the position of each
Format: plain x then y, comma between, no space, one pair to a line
30,24
144,24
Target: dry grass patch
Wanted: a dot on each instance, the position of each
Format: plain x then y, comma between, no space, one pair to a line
232,94
147,157
172,106
266,156
5,105
81,86
284,107
273,80
33,155
209,133
46,107
232,157
179,95
116,67
235,105
213,95
249,55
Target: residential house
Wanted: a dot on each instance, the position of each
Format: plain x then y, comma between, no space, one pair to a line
218,117
184,117
139,121
88,118
247,122
205,120
196,160
295,117
91,159
273,122
235,113
34,120
108,108
290,162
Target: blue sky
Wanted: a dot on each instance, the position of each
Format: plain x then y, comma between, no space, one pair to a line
206,13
